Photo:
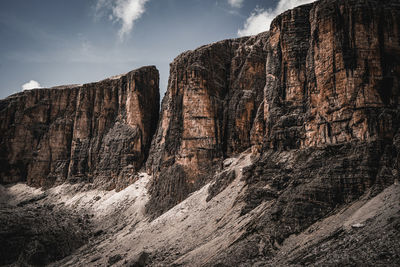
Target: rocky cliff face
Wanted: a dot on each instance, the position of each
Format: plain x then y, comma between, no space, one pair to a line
325,74
207,114
331,114
98,132
295,134
332,74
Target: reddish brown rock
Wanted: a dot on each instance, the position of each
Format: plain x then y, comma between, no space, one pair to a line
332,74
316,98
98,132
327,73
207,113
331,124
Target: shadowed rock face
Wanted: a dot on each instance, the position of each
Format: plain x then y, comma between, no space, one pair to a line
312,107
207,113
326,73
35,235
98,132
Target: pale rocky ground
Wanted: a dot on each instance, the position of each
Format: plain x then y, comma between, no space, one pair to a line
195,232
119,226
183,235
366,231
317,97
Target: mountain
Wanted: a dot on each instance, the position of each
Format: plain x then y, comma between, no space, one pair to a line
98,132
277,149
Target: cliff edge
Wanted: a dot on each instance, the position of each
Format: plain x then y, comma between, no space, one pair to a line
98,132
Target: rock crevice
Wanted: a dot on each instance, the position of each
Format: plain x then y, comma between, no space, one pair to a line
207,114
325,74
98,132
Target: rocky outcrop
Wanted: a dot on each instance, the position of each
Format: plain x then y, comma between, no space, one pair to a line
332,74
331,111
296,129
331,116
207,113
325,74
295,188
98,132
35,235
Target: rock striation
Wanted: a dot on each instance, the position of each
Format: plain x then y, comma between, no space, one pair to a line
332,74
296,130
207,113
325,74
98,132
331,120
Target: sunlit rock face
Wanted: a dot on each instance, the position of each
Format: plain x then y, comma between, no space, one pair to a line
292,138
332,74
98,132
207,113
326,73
331,118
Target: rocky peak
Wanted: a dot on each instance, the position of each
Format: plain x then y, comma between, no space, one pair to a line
280,148
98,132
329,80
321,76
207,114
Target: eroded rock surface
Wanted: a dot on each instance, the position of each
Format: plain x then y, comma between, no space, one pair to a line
98,132
331,114
207,113
35,235
325,74
332,74
276,149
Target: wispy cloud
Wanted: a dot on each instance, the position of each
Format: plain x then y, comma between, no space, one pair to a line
32,84
260,19
125,12
236,3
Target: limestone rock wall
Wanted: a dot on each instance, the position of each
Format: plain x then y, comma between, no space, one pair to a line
331,116
331,121
333,74
207,113
98,132
326,73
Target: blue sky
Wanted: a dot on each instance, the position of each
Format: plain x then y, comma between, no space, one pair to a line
53,42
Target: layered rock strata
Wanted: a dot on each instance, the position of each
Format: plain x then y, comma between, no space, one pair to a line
325,74
332,74
207,114
331,117
312,105
98,132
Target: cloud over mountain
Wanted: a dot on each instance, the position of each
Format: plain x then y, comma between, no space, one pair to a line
260,19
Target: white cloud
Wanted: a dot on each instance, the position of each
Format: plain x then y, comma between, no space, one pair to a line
236,3
261,19
31,85
125,12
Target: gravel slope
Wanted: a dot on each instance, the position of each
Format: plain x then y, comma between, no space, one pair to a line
74,225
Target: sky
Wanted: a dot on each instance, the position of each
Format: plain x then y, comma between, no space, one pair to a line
46,43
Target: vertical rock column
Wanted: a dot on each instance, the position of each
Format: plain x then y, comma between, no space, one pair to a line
332,74
354,71
285,93
207,114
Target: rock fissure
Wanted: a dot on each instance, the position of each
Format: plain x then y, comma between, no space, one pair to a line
281,131
80,134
